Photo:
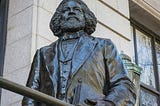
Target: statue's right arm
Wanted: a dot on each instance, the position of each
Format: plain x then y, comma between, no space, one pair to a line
33,79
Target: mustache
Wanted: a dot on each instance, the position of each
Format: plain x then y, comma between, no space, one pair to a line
69,17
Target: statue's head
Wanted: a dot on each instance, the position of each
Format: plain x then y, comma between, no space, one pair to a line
72,16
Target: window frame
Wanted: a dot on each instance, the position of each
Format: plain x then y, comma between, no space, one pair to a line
154,38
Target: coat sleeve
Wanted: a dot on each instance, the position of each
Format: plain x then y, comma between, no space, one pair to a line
33,80
119,90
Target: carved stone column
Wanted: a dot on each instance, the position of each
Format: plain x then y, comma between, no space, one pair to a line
134,72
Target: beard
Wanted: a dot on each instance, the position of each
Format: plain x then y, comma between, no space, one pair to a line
72,25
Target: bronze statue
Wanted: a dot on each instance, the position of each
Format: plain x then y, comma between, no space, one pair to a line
79,68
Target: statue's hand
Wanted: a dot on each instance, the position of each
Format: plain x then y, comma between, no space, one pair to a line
98,102
91,102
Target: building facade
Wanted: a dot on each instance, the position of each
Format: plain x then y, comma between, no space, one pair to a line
133,25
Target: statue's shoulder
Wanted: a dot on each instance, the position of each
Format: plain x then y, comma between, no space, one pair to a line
49,47
104,41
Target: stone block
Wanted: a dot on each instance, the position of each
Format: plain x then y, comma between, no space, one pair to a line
121,6
48,5
112,3
127,47
41,42
91,5
113,20
43,20
104,32
19,25
121,43
17,6
18,103
9,98
19,76
17,55
154,4
51,5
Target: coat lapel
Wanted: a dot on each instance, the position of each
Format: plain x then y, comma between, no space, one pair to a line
51,63
83,50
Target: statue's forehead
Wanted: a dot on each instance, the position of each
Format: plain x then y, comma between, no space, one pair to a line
71,3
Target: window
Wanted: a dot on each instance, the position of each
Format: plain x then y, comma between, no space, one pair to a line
147,56
144,54
158,57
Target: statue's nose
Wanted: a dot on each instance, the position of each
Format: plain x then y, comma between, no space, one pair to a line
71,12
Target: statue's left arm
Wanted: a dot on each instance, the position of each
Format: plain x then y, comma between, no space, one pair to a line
119,89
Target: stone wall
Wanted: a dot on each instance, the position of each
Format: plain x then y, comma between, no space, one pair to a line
18,47
28,29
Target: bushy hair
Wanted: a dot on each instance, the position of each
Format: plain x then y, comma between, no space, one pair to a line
90,19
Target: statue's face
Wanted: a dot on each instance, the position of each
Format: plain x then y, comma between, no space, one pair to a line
72,17
72,12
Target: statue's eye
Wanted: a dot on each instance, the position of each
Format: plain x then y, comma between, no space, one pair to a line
65,9
78,9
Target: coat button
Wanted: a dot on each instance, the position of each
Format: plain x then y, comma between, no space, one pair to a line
65,63
64,71
63,86
64,79
80,80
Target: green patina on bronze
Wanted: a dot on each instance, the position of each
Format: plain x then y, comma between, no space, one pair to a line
134,72
130,66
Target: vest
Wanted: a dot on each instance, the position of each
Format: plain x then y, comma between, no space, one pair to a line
66,51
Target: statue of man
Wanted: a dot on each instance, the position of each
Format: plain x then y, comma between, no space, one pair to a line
79,68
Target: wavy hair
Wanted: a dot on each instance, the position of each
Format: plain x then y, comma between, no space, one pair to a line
90,19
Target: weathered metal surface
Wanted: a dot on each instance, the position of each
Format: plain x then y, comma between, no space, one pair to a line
78,68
